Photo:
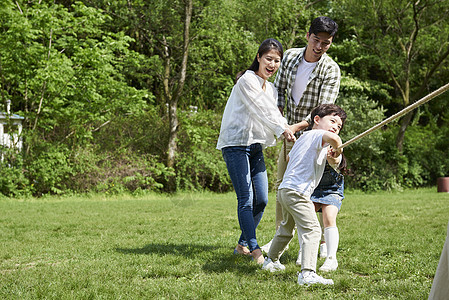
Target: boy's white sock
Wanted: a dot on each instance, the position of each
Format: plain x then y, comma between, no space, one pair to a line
331,237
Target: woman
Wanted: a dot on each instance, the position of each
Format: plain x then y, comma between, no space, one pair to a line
250,123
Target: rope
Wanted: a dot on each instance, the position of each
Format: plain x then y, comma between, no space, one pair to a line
423,100
285,150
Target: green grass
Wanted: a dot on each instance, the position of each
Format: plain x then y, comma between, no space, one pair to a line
180,247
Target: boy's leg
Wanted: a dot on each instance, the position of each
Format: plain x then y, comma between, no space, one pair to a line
298,260
281,167
303,212
323,246
283,234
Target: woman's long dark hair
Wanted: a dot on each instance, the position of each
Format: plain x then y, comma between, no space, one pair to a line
266,46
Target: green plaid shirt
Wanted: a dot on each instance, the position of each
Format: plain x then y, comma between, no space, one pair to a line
322,86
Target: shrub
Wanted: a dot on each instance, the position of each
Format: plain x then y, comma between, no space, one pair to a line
13,182
199,164
49,169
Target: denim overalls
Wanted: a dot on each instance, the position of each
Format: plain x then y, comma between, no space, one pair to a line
330,189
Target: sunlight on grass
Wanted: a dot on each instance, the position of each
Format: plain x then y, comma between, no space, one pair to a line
180,247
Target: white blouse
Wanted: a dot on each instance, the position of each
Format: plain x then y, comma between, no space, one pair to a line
251,115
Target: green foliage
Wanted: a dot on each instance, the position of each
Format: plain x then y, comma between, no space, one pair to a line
88,78
50,170
426,150
96,170
365,156
13,182
199,165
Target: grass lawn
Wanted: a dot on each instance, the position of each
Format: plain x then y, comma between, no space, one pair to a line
180,247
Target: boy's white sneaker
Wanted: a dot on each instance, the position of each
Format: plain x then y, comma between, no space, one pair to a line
330,264
298,260
313,278
265,248
323,250
272,266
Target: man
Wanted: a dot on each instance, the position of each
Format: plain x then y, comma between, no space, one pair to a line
306,78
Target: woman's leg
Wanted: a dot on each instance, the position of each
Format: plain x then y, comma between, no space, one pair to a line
260,182
237,162
260,198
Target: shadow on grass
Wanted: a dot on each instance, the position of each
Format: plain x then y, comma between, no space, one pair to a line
186,250
215,260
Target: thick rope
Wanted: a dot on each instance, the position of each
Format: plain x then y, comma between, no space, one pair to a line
285,150
423,100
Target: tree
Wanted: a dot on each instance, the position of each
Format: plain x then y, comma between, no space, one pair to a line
64,73
173,96
407,41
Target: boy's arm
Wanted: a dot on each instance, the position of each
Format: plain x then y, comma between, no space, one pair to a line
335,141
334,162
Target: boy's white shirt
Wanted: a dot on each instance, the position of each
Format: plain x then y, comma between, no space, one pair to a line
307,160
251,115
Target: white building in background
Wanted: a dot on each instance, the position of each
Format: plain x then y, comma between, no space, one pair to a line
10,129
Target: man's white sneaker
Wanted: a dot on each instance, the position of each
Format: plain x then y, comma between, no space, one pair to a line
298,260
330,264
313,278
265,248
323,250
272,266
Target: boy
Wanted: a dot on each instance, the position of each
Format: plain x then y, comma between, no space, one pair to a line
307,77
304,171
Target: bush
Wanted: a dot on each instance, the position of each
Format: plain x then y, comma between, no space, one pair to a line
199,164
13,182
49,169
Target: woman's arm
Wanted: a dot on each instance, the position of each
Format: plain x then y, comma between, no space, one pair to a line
261,105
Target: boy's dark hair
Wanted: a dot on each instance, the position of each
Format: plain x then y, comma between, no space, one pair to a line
328,110
331,110
266,46
323,24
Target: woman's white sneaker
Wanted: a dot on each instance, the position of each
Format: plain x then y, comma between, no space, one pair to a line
330,264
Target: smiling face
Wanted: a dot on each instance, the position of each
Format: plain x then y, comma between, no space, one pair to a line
317,45
268,64
330,123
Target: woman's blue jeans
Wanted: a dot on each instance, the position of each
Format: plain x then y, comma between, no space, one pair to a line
246,167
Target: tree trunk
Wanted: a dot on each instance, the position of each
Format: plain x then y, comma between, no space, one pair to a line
173,100
405,121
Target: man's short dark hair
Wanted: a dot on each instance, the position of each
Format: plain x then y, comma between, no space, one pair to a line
323,24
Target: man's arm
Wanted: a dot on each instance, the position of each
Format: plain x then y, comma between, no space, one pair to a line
331,85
